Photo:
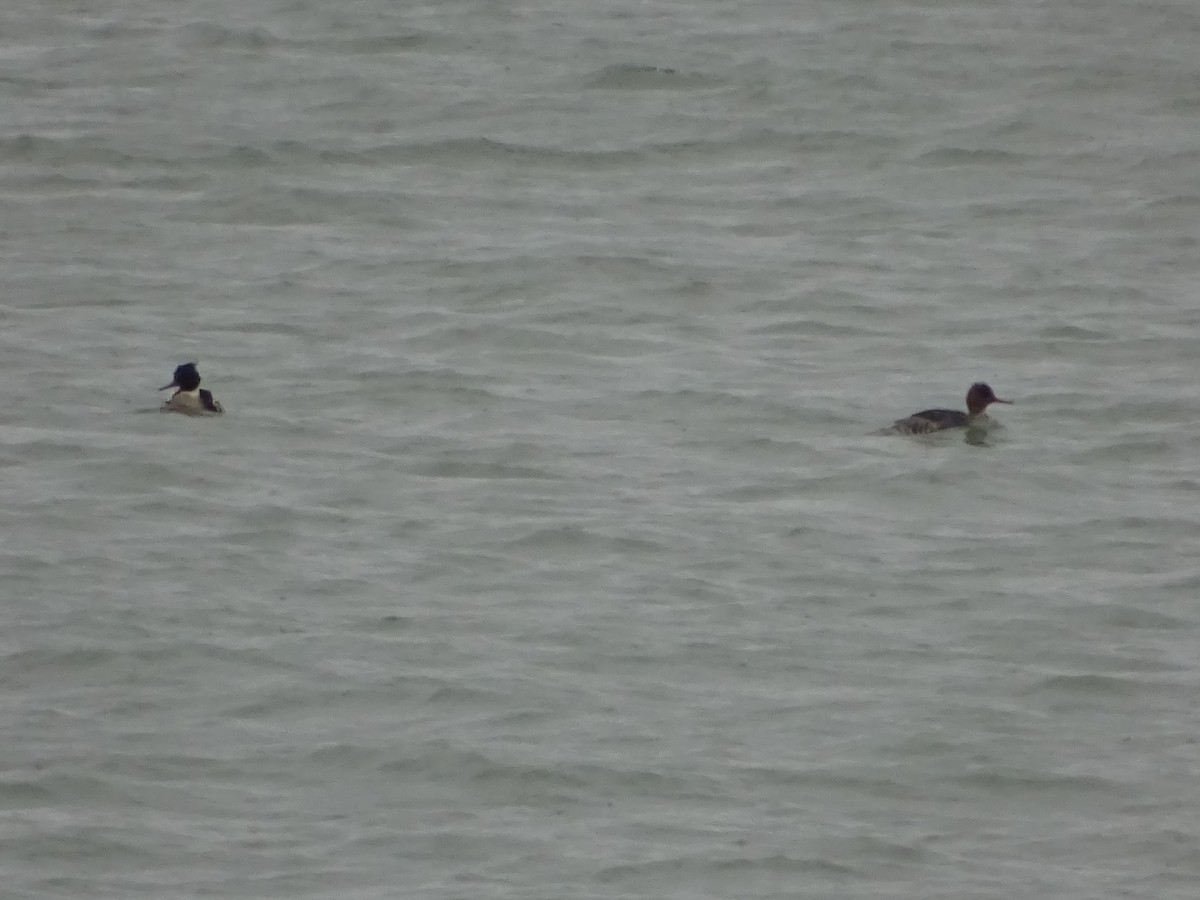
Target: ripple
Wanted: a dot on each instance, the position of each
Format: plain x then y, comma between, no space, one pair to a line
484,470
957,156
675,867
576,538
633,77
372,44
1011,780
1141,618
213,34
1090,684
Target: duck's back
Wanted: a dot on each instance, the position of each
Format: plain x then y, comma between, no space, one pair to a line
931,420
199,402
209,402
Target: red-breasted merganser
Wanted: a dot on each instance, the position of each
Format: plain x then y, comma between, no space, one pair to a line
978,398
190,398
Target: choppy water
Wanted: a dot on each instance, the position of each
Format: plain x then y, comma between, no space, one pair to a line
544,551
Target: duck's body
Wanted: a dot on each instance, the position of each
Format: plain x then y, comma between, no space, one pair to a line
979,397
189,398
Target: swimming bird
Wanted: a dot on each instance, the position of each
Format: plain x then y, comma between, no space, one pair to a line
189,398
979,397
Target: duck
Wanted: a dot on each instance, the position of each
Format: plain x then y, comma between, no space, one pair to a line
189,398
979,397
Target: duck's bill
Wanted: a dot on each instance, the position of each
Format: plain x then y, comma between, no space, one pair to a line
998,400
171,385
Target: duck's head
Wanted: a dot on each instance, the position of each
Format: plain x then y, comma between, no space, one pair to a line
980,396
186,378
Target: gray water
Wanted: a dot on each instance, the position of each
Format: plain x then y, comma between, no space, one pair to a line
545,550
